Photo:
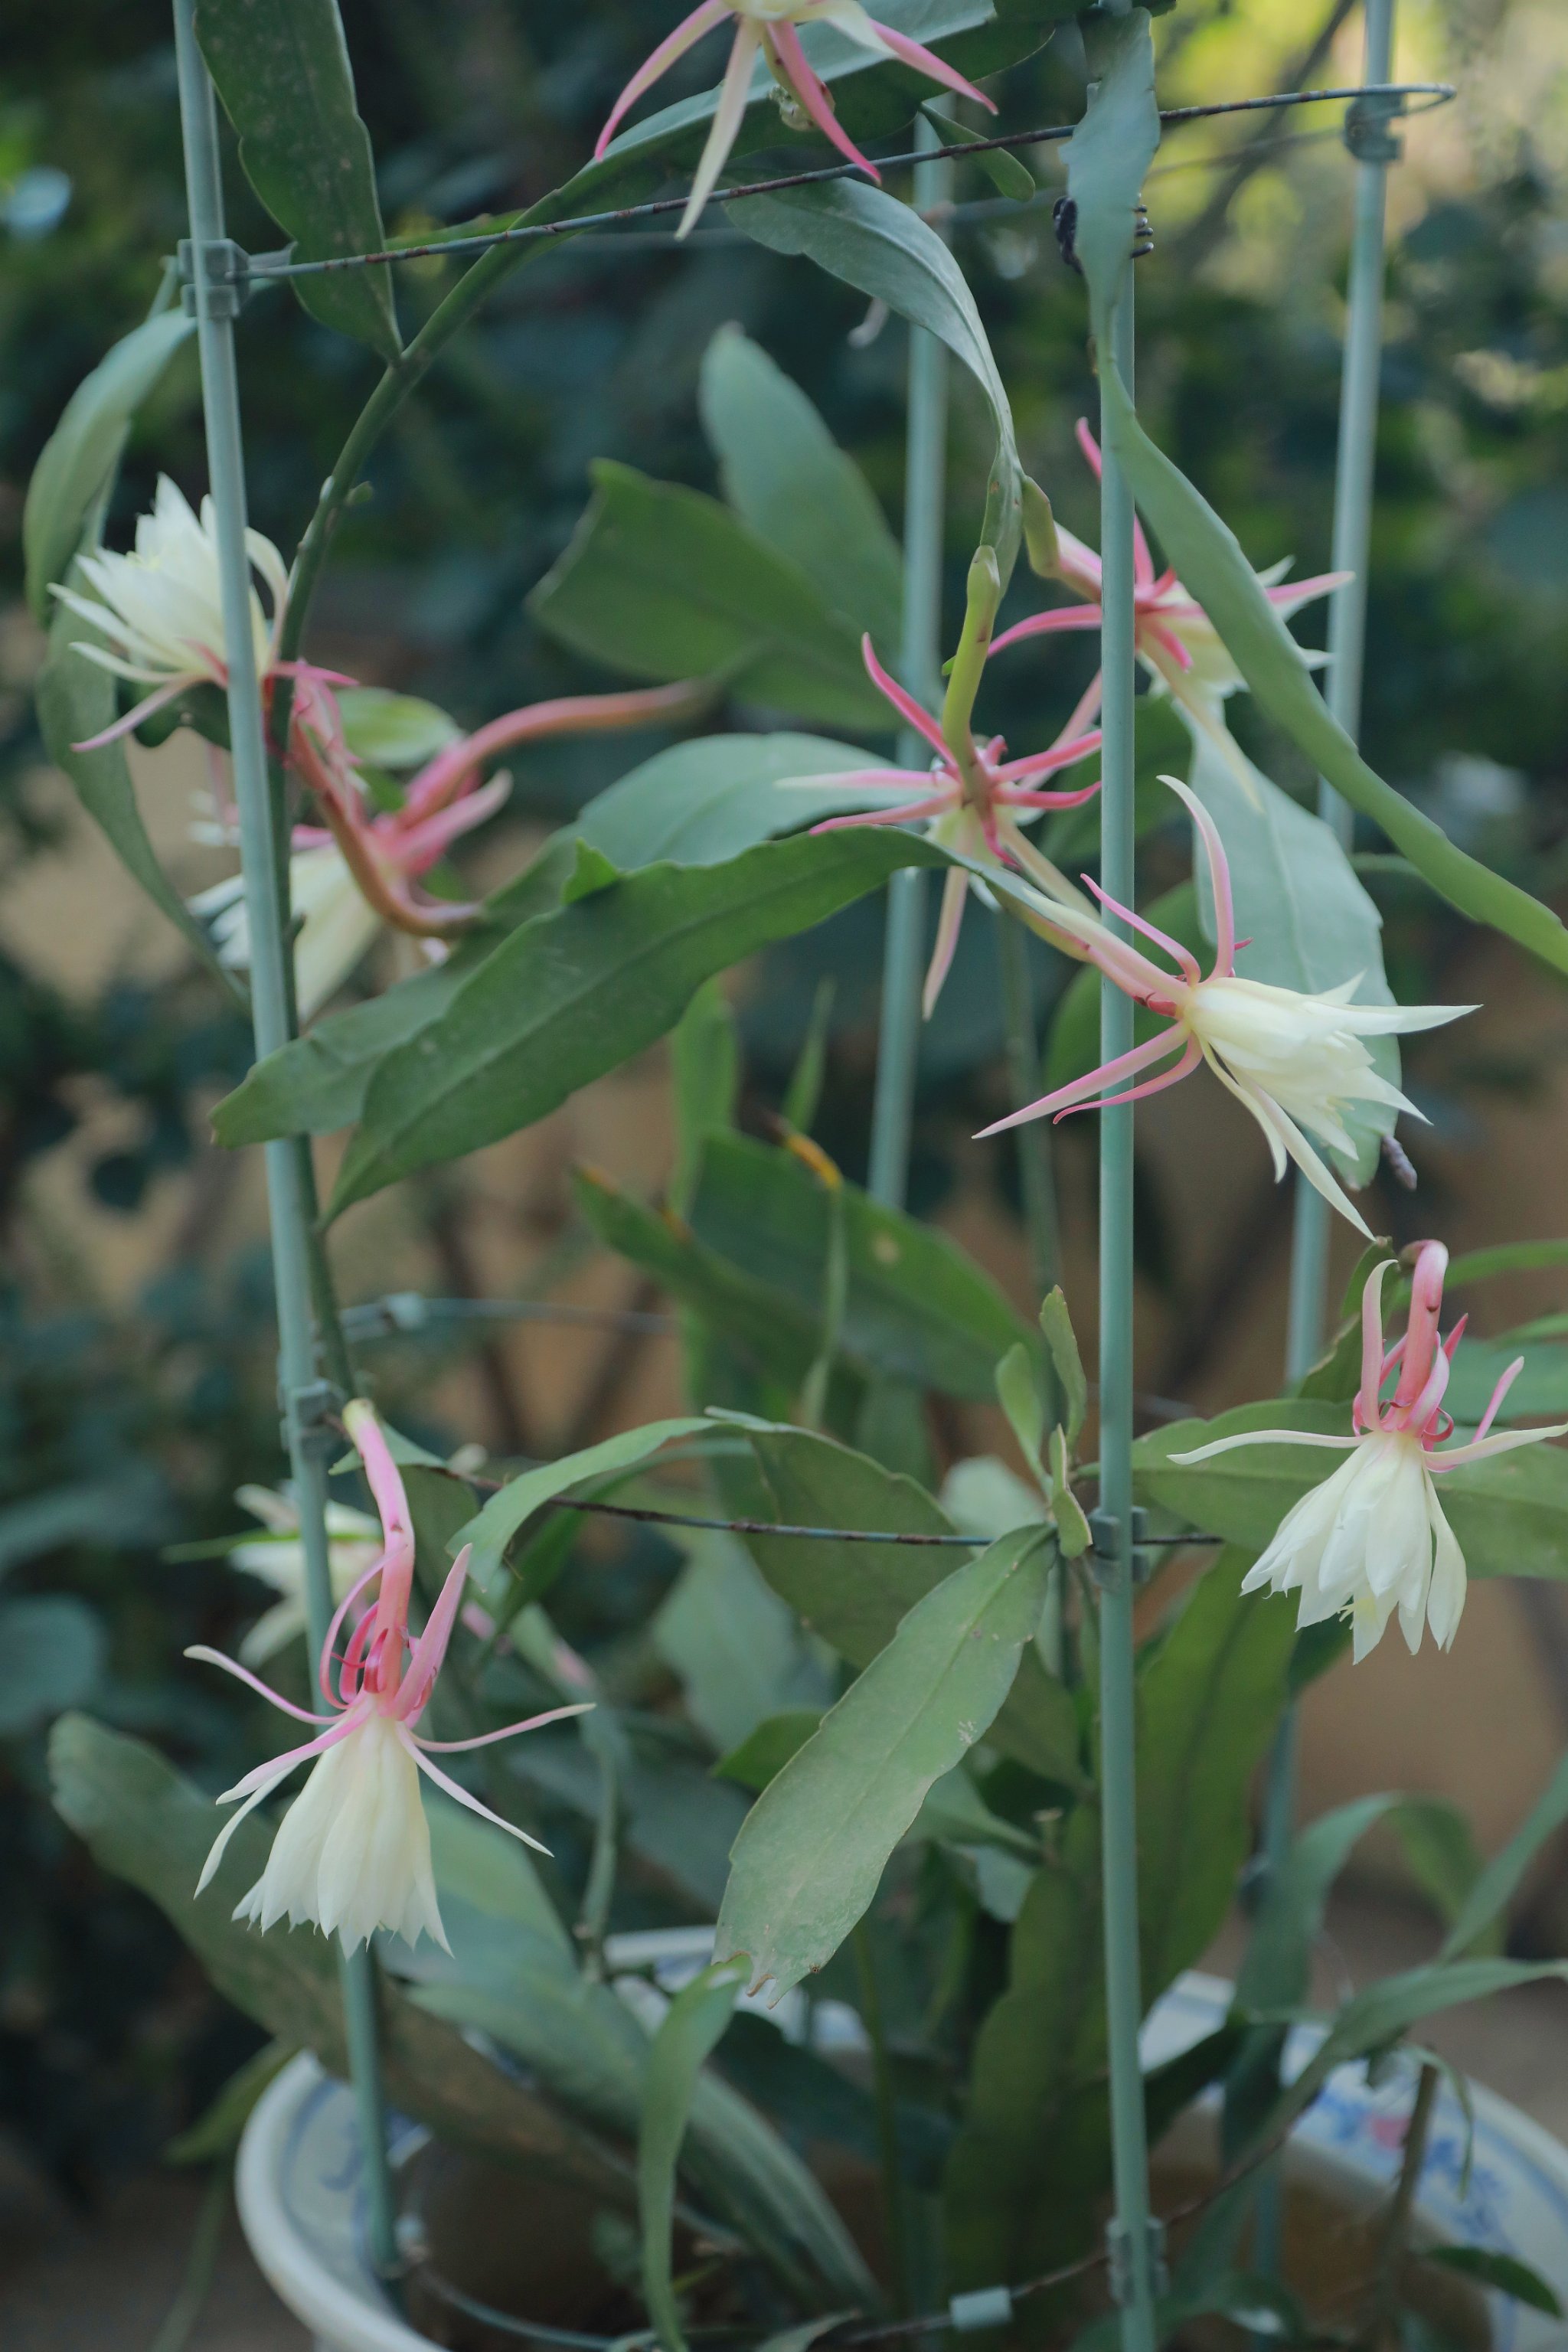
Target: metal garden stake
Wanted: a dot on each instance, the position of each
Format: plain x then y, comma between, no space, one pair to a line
305,1397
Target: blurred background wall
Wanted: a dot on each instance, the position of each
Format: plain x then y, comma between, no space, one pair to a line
135,1373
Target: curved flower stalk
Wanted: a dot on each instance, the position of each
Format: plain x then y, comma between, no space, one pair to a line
1295,1061
1372,1538
352,1853
973,799
356,874
277,1558
161,608
771,28
1176,641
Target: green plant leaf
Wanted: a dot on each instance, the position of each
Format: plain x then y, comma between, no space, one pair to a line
703,801
52,1651
493,1527
1017,1391
1033,2162
1210,560
284,76
855,1594
1276,1972
1374,2019
886,250
705,1079
577,991
790,482
77,700
733,1645
1510,1514
666,582
1504,1258
1308,922
688,2034
780,1337
1538,1392
1500,1877
918,1308
811,1851
394,731
764,1751
1107,155
1008,174
145,1824
1062,1342
1209,1703
584,2044
1503,2273
79,458
319,1082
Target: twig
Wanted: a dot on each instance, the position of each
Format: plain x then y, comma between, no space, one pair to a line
1384,2312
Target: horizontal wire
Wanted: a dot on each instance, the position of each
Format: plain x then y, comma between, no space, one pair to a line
265,266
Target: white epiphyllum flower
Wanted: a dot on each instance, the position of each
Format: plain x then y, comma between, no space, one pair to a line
1295,1061
277,1558
337,924
353,1853
357,872
1177,643
770,28
162,610
1372,1538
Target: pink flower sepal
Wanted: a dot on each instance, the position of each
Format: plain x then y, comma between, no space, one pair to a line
770,29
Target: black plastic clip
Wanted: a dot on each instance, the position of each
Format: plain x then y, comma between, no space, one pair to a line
1366,131
309,1413
1105,1534
1119,2254
225,267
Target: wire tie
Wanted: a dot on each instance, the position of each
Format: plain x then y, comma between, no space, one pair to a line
225,267
1366,131
1105,1534
309,1412
1119,2259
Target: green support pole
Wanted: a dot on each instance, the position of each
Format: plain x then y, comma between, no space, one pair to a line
305,1397
1374,149
1134,2245
919,668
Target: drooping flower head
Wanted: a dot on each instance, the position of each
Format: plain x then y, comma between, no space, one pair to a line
277,1558
972,800
1176,641
771,28
1295,1061
161,606
356,873
1372,1538
352,1853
